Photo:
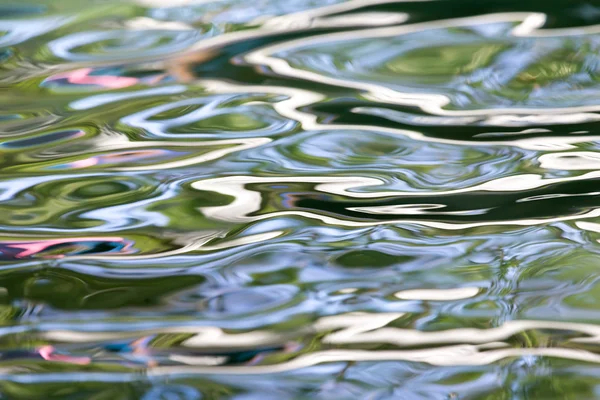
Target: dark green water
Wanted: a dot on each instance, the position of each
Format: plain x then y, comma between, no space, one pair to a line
305,199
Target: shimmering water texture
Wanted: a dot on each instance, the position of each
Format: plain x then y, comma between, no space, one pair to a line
307,199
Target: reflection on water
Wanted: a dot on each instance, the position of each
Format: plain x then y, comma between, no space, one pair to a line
383,199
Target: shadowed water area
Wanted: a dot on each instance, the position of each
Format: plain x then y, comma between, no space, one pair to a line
307,199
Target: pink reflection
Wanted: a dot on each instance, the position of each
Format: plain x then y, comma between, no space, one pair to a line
120,157
83,77
88,162
48,354
26,249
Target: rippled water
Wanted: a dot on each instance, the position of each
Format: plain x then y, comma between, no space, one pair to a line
307,199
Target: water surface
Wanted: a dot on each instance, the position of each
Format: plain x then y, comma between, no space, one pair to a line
362,199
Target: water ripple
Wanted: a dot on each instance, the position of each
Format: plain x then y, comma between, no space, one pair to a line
312,199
